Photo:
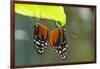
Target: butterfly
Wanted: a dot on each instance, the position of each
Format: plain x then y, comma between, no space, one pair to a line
56,40
40,38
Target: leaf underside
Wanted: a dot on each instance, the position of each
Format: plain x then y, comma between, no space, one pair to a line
42,11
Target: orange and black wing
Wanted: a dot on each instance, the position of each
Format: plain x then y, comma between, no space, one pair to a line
40,38
58,42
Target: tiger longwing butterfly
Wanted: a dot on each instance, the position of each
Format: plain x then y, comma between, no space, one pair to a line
58,42
40,38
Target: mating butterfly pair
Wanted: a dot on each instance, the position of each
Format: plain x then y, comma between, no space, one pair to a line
56,40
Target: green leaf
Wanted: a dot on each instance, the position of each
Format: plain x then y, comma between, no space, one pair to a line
42,11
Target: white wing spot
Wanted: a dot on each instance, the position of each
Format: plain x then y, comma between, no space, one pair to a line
67,45
59,51
38,43
64,49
